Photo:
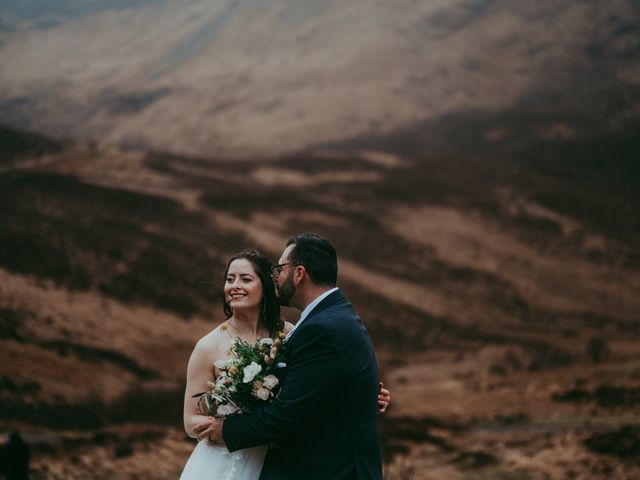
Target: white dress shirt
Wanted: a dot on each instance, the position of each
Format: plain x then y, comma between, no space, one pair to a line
307,310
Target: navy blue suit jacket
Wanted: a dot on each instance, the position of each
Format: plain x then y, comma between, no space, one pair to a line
324,423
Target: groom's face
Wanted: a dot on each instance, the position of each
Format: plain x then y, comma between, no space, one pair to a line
285,287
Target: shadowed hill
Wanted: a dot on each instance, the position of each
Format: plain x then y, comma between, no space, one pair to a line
122,244
16,144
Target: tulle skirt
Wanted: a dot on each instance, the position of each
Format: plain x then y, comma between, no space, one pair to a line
213,462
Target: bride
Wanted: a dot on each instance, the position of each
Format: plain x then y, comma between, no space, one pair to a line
253,312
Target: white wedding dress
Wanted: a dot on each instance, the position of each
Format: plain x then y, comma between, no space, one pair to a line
209,461
213,462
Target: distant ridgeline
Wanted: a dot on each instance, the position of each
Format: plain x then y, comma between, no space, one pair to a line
16,144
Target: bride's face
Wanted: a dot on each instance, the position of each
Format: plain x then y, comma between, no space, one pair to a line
242,287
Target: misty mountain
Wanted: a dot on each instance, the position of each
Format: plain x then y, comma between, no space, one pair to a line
44,14
251,77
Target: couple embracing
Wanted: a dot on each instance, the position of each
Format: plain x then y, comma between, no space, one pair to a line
323,423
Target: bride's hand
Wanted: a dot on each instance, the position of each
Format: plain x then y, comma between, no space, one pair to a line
384,398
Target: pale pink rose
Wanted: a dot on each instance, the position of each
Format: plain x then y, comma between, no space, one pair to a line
258,390
270,381
263,394
226,409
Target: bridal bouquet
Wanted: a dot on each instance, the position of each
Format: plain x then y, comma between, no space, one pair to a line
246,381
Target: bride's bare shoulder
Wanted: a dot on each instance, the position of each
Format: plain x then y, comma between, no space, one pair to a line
214,341
287,327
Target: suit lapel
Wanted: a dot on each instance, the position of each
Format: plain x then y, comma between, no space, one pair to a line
331,299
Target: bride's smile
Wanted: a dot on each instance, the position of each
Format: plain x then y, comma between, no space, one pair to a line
242,288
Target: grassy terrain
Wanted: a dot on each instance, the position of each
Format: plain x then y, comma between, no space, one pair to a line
127,246
500,294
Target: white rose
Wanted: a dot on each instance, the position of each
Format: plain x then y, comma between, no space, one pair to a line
266,341
270,381
250,371
226,409
222,364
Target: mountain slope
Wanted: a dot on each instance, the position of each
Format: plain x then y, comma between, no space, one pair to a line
248,77
485,296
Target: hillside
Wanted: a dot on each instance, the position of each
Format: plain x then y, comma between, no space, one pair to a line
497,309
249,78
474,161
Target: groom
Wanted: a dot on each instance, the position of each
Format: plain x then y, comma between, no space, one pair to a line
323,424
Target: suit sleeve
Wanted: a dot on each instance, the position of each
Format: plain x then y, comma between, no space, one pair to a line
310,386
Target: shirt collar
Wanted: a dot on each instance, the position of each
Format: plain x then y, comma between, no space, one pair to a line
307,310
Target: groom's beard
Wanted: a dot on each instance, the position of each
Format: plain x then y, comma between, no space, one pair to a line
286,291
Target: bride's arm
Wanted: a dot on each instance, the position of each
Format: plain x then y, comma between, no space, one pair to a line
199,371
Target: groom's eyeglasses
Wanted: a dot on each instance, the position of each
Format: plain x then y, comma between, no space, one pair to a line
276,269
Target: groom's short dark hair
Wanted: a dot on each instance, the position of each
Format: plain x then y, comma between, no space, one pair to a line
317,255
